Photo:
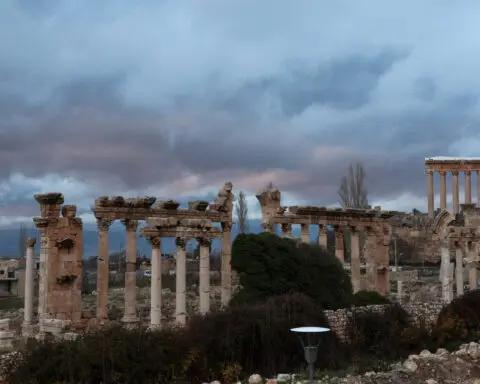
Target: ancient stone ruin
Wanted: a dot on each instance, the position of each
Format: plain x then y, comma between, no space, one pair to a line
374,224
61,251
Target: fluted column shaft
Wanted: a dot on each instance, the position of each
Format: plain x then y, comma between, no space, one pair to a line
339,252
204,283
431,194
322,230
102,270
305,228
455,197
443,190
355,260
468,187
226,274
130,295
29,283
181,283
156,283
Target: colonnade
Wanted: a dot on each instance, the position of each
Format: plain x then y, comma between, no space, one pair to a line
375,251
455,189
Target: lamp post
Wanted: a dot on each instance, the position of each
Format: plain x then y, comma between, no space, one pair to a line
309,337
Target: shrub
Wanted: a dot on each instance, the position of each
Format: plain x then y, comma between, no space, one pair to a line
255,338
270,266
364,298
460,319
112,355
379,334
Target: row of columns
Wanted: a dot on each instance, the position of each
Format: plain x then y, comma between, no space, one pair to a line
130,311
375,281
455,190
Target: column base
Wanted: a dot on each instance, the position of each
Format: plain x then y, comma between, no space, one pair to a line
130,321
28,330
154,327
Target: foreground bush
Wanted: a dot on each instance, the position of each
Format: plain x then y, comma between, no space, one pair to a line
364,298
270,266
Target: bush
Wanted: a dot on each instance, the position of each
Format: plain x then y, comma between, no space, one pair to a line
364,298
112,355
379,334
460,319
270,266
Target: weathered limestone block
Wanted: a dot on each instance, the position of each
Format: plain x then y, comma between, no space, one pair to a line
224,201
198,205
168,204
6,340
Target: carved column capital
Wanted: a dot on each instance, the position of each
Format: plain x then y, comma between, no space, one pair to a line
429,171
454,173
155,241
104,224
130,225
338,232
322,229
467,173
31,242
203,241
442,173
226,226
286,227
180,242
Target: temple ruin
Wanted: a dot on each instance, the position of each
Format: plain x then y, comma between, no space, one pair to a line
61,251
452,165
374,224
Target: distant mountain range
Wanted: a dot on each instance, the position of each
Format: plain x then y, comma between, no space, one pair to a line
9,240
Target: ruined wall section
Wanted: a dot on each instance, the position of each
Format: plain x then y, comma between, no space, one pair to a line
61,251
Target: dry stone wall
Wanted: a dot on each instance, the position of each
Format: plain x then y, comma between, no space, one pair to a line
421,313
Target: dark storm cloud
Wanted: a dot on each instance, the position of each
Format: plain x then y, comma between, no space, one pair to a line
153,94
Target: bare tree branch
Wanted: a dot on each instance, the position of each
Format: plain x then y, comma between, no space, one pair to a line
352,192
241,210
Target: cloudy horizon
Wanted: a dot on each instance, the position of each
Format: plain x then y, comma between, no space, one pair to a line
172,99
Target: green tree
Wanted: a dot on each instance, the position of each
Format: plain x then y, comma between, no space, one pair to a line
270,266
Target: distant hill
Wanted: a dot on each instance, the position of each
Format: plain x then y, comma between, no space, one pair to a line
9,239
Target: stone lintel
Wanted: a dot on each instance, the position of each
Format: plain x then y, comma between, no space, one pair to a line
124,213
51,198
338,221
327,213
452,164
183,233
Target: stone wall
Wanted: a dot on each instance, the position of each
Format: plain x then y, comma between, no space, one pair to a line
420,312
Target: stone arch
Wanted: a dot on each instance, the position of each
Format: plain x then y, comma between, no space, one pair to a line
442,221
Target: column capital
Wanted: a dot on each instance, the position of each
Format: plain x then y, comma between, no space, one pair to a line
203,241
467,173
454,173
104,224
442,173
226,226
31,242
130,225
286,227
180,242
322,228
429,171
155,241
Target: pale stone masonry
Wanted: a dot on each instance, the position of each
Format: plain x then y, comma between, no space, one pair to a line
374,223
27,328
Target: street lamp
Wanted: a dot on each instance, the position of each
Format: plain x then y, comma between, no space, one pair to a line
309,337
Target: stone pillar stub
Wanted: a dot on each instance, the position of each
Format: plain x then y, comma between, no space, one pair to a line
431,194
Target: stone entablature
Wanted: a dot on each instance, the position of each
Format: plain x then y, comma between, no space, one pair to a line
449,164
373,222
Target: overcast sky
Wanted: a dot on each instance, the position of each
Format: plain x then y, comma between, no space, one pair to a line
172,98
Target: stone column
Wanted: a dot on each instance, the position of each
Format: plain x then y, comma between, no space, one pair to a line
305,233
29,283
226,276
468,187
478,188
399,290
455,197
431,194
322,230
472,266
339,244
287,230
204,283
355,260
443,190
181,283
130,295
445,273
42,276
156,283
370,249
102,270
459,270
